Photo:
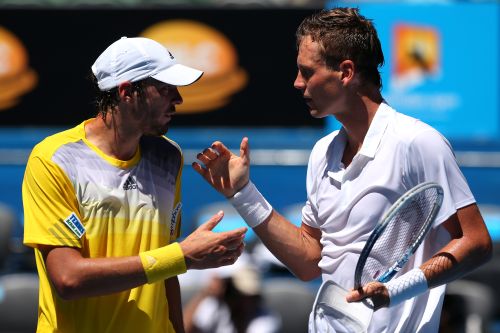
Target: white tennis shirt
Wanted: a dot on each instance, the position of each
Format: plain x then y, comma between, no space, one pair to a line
398,153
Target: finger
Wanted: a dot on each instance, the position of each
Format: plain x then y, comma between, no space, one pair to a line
221,148
371,289
203,158
213,221
234,243
239,250
354,295
205,173
211,153
245,149
233,234
226,261
230,257
198,168
220,250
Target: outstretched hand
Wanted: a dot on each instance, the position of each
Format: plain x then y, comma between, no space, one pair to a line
222,169
207,249
376,291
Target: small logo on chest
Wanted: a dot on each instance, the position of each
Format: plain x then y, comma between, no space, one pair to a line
130,184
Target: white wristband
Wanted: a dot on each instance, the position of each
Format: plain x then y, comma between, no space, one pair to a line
251,205
406,286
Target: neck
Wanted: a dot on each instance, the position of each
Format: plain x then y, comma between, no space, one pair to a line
356,121
111,136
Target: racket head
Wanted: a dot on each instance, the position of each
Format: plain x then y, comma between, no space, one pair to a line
398,234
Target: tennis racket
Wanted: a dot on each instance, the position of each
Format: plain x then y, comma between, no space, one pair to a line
399,234
393,241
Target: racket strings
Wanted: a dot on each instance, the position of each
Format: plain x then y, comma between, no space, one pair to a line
403,233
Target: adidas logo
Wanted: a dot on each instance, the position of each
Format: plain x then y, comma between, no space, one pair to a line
130,184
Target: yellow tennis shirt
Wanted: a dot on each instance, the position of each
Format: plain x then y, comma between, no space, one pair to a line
74,195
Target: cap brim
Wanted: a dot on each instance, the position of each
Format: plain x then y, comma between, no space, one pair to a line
179,75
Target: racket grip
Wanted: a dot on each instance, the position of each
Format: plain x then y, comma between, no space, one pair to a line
406,286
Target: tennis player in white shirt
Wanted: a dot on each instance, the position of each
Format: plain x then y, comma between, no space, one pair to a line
353,177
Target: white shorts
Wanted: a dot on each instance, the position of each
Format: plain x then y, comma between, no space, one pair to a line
332,314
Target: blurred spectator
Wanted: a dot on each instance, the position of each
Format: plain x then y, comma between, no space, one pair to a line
7,220
231,302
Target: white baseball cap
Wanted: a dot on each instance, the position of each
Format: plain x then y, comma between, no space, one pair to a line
137,58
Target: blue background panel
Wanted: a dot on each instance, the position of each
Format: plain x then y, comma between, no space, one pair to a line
460,96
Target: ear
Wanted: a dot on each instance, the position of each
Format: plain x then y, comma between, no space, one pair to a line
125,90
348,69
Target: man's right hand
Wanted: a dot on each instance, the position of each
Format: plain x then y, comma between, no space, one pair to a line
207,249
225,171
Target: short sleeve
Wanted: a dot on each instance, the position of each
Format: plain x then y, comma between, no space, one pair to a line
310,211
431,158
51,214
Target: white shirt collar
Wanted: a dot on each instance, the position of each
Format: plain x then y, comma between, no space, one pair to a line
376,130
370,143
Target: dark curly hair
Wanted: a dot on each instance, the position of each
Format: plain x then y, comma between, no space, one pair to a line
109,99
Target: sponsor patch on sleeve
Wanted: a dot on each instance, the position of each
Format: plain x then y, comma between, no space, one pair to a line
74,224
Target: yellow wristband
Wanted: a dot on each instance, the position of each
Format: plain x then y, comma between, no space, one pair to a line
164,262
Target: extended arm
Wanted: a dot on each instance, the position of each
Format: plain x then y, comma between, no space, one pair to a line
75,276
298,248
469,248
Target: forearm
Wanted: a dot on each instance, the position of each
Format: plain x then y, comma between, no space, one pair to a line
298,249
172,288
456,259
74,276
295,247
469,248
453,262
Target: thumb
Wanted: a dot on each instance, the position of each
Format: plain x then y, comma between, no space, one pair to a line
245,149
213,221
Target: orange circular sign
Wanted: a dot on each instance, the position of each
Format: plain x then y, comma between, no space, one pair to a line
203,47
16,78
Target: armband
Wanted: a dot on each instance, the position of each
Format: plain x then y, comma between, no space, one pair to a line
406,286
163,263
251,205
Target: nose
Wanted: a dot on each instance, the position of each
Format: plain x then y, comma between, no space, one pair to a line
176,96
299,82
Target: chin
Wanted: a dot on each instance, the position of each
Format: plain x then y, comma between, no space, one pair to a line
161,130
317,114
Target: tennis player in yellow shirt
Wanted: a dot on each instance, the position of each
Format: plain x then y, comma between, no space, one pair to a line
102,204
